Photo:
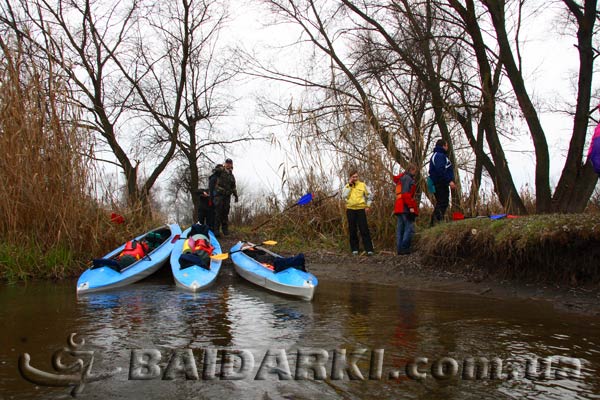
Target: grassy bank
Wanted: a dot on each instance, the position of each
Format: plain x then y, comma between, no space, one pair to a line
30,257
541,248
556,248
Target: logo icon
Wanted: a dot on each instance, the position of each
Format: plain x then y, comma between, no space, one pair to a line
76,373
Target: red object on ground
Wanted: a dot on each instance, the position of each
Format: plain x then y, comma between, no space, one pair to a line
116,218
457,216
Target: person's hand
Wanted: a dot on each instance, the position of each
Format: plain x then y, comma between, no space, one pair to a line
412,210
368,209
452,185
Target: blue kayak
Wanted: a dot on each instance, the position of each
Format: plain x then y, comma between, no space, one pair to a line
291,281
194,277
107,272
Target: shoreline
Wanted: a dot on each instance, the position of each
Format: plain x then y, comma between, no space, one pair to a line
416,272
410,272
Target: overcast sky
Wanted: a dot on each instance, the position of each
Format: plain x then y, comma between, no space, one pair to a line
549,63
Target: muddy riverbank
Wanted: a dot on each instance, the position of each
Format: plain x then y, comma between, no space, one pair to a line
413,272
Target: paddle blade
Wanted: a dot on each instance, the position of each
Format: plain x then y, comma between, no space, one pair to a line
307,198
269,242
222,256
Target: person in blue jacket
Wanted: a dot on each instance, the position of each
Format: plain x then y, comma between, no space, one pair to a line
441,173
594,151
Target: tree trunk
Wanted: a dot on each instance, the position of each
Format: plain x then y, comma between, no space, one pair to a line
542,156
503,183
577,180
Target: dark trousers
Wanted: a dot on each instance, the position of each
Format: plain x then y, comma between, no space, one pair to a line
357,221
405,230
442,201
222,205
206,215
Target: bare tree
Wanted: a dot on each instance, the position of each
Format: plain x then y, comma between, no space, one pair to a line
84,38
180,75
430,44
147,73
577,180
360,94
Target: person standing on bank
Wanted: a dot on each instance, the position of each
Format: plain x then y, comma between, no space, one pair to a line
212,184
224,189
442,175
205,209
405,208
358,202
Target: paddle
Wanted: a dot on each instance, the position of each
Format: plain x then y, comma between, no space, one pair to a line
307,198
224,256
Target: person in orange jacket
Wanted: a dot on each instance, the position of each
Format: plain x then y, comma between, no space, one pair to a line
405,208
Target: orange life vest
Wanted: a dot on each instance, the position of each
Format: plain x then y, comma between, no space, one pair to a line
135,249
406,198
195,246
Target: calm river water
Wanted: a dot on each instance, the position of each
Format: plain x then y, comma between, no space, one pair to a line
414,344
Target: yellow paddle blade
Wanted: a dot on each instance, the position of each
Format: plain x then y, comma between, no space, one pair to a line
270,242
222,256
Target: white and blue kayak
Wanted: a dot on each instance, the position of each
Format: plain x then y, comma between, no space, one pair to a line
292,281
109,272
194,276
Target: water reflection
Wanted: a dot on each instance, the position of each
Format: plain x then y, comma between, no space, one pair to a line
161,315
262,318
236,315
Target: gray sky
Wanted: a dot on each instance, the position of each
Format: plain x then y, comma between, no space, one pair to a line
549,62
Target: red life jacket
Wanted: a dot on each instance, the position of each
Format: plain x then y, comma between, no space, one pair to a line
403,199
196,246
135,249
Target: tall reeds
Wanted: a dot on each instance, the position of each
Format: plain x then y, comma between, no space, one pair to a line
50,224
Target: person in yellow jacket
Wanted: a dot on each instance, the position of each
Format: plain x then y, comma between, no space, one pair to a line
358,201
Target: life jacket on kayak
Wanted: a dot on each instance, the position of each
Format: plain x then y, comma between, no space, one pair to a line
198,243
199,246
133,251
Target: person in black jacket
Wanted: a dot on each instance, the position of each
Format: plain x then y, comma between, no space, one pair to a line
206,210
225,187
442,175
212,182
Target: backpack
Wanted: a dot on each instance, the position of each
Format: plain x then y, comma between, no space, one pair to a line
430,185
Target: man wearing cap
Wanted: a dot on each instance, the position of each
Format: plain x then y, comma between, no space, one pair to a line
224,188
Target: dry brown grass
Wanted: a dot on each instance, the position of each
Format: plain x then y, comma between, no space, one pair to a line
49,223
